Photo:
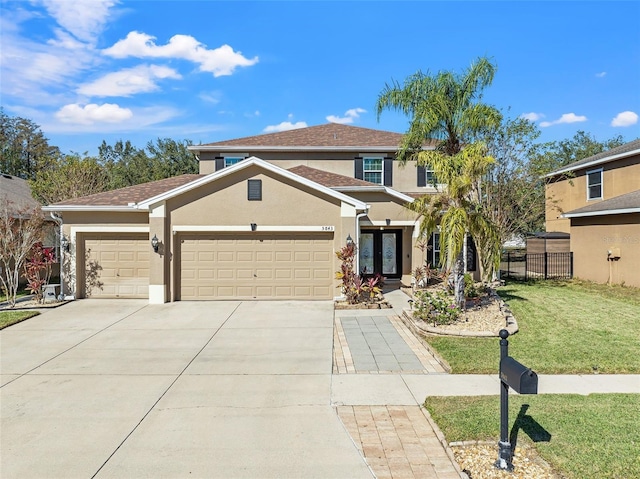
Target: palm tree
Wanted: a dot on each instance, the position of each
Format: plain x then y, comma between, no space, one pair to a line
458,212
447,109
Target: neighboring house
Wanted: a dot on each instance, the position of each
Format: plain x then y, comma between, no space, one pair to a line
263,220
17,193
597,201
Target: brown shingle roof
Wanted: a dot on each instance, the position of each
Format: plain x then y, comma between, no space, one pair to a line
328,135
324,178
130,194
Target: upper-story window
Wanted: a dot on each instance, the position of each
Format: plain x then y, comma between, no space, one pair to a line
232,160
373,169
594,184
427,176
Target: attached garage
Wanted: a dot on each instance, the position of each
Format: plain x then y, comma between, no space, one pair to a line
256,266
117,265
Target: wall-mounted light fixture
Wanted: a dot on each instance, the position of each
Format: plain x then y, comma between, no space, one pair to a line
349,240
155,243
388,221
254,226
64,242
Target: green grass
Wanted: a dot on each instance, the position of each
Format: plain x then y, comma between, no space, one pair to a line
596,436
7,318
564,328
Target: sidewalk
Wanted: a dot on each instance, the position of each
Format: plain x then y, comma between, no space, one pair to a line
379,398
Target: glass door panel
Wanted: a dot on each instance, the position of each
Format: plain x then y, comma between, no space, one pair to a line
389,254
366,253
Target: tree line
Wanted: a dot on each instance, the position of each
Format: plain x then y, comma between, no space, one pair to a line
55,176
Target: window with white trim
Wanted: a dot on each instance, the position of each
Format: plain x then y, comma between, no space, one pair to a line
232,160
373,169
594,184
430,176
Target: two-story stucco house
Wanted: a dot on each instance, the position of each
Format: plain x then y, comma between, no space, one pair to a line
597,201
262,220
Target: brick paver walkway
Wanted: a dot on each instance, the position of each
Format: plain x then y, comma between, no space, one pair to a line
398,442
382,345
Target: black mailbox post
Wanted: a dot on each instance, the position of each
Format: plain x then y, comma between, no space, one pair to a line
523,381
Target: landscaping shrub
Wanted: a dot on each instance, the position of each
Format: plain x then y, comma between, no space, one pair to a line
435,307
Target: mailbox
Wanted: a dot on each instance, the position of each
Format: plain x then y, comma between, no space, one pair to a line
517,376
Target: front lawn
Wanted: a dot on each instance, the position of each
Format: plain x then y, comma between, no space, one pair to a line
579,436
565,328
7,318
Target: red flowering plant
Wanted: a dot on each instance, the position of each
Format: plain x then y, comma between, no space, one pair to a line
356,288
37,269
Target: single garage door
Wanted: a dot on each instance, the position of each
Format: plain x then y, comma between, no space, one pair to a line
117,266
256,266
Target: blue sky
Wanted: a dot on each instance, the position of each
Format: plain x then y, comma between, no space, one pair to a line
208,71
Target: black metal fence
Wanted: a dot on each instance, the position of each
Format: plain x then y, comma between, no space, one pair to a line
536,265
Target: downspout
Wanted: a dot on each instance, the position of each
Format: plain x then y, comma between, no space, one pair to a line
58,220
357,240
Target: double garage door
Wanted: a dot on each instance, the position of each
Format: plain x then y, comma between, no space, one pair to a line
256,266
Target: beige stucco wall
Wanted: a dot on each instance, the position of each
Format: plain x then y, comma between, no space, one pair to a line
405,178
224,203
568,194
592,237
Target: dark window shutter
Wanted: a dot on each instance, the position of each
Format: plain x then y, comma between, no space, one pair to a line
422,175
359,168
219,163
388,171
471,254
254,190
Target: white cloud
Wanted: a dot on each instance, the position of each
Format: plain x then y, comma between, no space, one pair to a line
42,72
141,119
626,118
212,97
565,118
219,61
348,117
284,126
601,74
93,113
532,116
84,20
140,79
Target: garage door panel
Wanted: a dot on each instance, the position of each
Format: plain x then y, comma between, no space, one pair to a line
283,274
256,266
246,274
321,274
205,274
205,256
225,256
117,266
244,256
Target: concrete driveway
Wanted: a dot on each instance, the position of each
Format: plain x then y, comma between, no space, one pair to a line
116,388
